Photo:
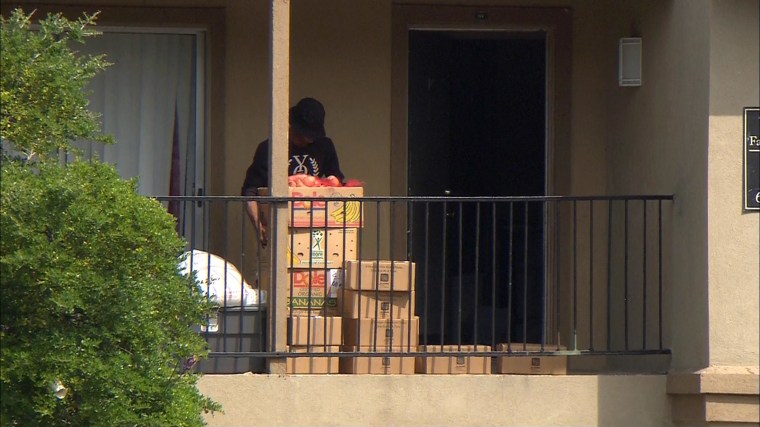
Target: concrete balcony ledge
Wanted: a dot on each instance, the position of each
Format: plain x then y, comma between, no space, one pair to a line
438,400
718,394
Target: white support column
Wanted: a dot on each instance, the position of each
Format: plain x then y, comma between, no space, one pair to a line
278,158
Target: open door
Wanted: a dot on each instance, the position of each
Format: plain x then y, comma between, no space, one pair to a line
477,106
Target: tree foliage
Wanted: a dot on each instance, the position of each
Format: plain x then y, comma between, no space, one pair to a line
43,98
96,321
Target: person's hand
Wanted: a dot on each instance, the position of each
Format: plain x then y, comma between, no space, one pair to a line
263,231
259,221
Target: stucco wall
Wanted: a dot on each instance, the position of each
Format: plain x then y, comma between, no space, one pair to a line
657,143
733,236
430,400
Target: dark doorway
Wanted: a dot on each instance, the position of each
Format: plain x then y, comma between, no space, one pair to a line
477,119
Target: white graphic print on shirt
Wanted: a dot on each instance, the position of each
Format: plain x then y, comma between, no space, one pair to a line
302,167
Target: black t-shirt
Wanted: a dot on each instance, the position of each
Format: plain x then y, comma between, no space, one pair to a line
318,159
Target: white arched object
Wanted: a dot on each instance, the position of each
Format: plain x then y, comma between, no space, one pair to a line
220,280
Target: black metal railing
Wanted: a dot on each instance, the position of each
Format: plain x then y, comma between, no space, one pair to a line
492,276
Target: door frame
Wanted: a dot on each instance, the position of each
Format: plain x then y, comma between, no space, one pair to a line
557,23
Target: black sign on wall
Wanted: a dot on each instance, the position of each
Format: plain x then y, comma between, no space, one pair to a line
752,158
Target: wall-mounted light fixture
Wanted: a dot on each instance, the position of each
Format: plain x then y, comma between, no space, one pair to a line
629,61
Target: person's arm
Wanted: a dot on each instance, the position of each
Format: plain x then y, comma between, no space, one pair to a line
331,163
257,176
258,221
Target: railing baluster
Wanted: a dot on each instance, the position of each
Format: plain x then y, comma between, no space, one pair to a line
509,283
427,269
477,274
609,275
644,304
411,259
575,275
526,237
557,261
659,272
391,230
544,280
377,273
625,272
460,272
493,275
591,274
443,273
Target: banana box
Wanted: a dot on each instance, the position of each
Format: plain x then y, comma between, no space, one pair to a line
314,292
328,207
313,248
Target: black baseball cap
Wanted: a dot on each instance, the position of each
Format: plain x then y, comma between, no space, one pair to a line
308,118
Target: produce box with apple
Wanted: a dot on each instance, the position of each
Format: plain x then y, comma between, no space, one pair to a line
336,210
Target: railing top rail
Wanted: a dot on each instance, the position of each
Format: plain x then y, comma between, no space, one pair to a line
647,197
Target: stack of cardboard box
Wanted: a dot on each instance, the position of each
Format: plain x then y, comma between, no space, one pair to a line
322,235
378,316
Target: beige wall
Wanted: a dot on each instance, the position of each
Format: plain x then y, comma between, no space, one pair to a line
734,245
657,143
431,400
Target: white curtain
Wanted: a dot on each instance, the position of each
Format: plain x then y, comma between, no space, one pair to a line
152,81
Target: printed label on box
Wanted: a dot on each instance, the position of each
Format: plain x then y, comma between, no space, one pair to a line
312,248
314,289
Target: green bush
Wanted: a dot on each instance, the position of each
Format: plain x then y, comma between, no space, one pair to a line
92,298
96,321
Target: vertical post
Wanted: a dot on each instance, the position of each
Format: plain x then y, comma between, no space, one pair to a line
279,59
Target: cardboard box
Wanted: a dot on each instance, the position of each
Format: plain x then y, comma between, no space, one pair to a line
377,304
530,364
313,364
378,365
370,275
314,290
312,248
395,334
315,330
321,213
453,364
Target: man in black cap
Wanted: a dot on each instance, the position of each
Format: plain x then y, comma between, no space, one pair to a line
310,152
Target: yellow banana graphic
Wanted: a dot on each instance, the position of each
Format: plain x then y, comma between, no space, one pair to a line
353,212
347,212
339,213
296,260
